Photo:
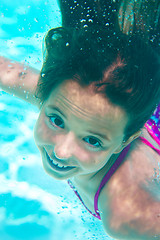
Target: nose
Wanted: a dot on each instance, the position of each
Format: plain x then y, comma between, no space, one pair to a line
64,146
56,156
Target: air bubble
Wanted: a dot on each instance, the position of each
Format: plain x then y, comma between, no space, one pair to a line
43,74
35,19
90,20
151,81
136,66
83,20
67,44
27,95
10,66
56,36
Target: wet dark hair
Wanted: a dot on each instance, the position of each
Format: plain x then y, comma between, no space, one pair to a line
78,13
122,68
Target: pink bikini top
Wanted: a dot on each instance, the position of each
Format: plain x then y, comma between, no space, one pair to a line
113,169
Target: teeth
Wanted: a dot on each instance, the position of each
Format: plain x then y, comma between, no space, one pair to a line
57,164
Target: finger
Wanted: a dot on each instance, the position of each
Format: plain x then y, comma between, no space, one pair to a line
128,23
129,18
120,18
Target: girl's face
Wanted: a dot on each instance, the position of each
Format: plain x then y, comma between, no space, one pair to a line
78,131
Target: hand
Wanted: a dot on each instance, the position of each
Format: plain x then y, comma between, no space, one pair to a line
126,14
143,15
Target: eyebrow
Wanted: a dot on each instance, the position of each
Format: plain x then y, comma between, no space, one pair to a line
100,135
58,110
92,132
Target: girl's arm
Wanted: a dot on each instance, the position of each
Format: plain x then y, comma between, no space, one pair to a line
19,80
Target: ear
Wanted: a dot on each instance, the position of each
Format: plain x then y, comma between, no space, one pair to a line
130,139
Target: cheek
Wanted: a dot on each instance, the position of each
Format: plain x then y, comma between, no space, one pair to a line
88,158
97,160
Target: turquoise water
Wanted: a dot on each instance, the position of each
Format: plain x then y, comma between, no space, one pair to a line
32,204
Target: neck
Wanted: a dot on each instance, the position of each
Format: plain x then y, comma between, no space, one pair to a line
96,176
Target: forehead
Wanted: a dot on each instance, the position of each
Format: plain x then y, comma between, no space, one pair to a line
86,102
87,99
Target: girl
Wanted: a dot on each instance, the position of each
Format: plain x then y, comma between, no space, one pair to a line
95,92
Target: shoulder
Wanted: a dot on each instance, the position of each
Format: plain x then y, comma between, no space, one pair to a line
130,201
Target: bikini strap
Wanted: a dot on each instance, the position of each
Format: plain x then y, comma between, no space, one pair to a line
117,164
152,133
149,144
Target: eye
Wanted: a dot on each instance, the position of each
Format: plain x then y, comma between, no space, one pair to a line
56,121
93,141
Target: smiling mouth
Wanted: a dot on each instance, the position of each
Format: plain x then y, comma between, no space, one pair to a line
57,166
